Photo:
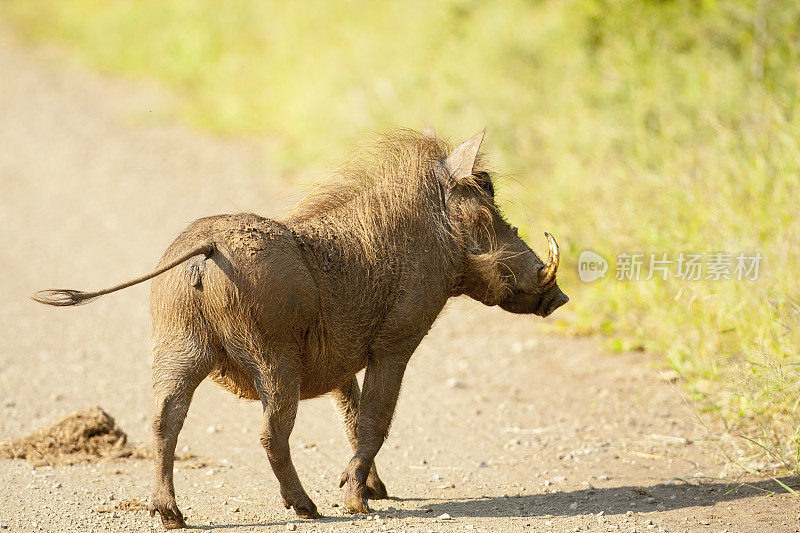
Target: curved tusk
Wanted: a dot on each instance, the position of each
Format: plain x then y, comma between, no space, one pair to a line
548,272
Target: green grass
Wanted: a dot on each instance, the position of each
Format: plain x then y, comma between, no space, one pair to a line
641,126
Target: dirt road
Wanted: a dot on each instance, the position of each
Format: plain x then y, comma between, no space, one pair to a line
498,426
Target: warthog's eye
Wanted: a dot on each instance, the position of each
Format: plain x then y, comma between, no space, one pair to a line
485,182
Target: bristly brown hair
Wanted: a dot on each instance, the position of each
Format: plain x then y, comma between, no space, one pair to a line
393,167
386,187
379,192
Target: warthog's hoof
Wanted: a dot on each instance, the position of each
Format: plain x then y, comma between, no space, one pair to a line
376,490
355,499
356,505
171,517
303,506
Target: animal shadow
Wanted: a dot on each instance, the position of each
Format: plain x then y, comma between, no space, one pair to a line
612,500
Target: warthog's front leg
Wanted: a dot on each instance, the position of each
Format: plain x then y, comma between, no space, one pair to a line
346,399
278,386
381,387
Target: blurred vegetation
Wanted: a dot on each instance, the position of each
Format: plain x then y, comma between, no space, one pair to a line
640,126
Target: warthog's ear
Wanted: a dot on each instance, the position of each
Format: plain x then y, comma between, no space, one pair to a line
461,160
428,131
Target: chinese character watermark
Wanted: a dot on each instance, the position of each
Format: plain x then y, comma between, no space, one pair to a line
747,266
689,266
685,266
659,265
629,266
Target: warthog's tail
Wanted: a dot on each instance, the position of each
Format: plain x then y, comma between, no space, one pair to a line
66,297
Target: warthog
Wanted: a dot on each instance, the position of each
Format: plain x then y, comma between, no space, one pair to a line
352,278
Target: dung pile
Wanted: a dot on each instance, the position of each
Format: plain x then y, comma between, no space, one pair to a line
88,435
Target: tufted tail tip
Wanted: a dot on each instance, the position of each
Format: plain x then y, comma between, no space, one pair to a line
63,297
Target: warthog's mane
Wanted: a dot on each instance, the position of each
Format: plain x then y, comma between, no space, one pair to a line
382,190
391,187
392,171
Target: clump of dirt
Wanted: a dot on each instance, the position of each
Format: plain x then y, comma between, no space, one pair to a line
131,505
125,505
88,435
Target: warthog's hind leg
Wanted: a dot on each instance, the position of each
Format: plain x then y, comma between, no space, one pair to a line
346,398
279,390
178,368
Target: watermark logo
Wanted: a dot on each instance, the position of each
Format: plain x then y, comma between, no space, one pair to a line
591,266
717,266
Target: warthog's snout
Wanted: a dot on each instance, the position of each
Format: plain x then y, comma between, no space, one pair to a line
551,300
544,304
534,289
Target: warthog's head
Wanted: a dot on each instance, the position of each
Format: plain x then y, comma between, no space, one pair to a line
498,268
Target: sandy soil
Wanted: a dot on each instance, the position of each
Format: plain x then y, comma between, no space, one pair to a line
498,426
